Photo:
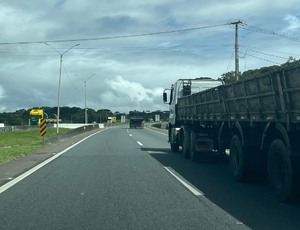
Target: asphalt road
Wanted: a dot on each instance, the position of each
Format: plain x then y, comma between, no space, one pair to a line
254,204
115,179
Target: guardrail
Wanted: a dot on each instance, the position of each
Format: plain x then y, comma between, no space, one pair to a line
17,128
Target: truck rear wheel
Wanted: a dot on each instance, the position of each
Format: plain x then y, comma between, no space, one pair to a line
280,170
174,147
193,153
238,159
186,144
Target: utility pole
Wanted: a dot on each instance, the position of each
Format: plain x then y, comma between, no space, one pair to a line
236,49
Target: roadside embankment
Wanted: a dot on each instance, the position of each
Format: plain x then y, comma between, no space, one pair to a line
74,132
52,146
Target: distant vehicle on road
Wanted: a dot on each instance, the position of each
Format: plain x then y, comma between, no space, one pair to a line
136,119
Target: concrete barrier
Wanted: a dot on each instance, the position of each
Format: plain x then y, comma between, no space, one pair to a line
17,128
76,125
73,132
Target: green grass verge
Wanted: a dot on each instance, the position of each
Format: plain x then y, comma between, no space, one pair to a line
21,143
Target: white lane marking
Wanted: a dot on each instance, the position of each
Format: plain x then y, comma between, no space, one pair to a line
141,144
11,183
195,191
156,152
157,131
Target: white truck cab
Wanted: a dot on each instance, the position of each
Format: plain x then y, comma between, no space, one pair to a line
185,87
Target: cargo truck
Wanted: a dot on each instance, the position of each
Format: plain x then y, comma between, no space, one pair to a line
256,122
136,119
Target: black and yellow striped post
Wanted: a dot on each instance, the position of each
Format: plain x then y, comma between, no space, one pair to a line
43,130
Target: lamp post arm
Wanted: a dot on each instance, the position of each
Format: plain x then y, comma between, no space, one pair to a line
90,77
79,77
52,48
70,48
58,51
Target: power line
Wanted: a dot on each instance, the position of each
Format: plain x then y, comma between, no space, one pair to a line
268,50
66,72
263,59
265,31
230,61
266,54
112,37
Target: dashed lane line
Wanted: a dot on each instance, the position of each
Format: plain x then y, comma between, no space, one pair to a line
139,143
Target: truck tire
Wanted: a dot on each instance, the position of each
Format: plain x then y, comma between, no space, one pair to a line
238,160
186,143
174,147
280,173
193,153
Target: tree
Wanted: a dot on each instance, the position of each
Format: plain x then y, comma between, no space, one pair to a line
228,77
103,114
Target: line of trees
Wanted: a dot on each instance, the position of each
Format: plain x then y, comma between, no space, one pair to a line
67,114
72,115
230,76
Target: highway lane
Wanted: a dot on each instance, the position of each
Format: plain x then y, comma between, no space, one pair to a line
108,182
252,203
151,138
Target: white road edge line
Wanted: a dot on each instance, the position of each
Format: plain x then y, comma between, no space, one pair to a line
156,131
191,188
11,183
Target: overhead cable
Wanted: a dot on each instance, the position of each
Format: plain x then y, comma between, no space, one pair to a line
112,37
265,31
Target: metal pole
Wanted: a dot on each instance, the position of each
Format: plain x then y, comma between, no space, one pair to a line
85,113
236,50
59,81
58,95
236,53
86,116
85,108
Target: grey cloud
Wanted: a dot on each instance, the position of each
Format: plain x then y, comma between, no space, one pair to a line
29,73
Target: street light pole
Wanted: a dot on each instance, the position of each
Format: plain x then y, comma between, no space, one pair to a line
85,109
59,80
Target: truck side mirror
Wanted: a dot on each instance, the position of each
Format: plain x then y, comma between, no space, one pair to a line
165,97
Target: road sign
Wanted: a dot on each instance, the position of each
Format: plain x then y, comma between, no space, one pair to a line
157,117
123,119
43,126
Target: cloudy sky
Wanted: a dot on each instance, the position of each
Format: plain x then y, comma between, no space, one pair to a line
135,48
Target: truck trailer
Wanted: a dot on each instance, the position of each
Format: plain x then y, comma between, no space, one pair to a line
256,122
136,119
